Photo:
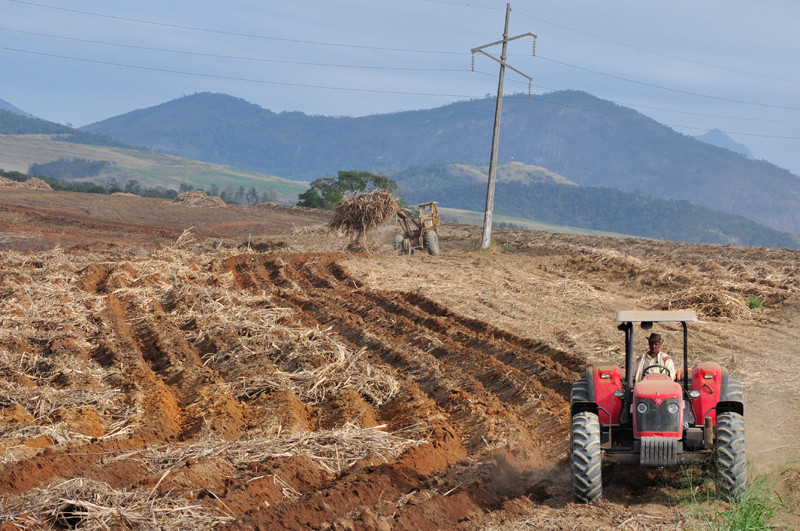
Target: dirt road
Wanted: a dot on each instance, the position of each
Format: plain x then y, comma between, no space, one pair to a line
250,375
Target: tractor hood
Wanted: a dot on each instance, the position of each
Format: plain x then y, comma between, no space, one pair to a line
657,387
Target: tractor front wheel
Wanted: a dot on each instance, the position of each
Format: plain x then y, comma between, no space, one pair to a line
729,456
585,458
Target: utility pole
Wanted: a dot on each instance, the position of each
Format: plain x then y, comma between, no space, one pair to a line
487,217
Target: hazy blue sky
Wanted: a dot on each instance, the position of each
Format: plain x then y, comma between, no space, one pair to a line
694,65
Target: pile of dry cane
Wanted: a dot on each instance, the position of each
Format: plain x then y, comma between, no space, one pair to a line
358,214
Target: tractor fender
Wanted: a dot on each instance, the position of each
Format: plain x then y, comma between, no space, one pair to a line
582,397
719,393
607,379
594,393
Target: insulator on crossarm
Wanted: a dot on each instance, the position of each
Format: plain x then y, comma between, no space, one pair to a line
473,61
529,90
534,46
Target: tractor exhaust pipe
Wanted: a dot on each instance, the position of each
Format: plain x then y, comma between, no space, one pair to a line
708,434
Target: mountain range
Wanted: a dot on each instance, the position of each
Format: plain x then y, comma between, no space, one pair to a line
587,140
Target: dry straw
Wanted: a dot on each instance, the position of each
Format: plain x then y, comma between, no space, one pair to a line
706,302
332,450
322,369
92,505
198,199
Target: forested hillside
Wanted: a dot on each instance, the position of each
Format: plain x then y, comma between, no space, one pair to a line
531,193
12,123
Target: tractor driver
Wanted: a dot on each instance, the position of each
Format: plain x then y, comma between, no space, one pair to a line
654,356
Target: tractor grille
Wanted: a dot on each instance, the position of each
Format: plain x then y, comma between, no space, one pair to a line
659,451
657,418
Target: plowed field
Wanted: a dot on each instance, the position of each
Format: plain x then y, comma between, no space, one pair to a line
196,368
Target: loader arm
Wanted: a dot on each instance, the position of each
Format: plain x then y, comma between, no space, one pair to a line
406,217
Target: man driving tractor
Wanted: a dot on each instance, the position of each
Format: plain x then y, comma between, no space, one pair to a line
654,356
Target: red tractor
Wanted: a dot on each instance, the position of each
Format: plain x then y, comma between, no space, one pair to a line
656,422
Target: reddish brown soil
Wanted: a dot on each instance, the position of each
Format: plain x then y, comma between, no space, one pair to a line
483,348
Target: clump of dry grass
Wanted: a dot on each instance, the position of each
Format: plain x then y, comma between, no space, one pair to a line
42,401
44,404
83,503
318,229
332,450
329,370
199,199
43,300
34,183
706,302
358,214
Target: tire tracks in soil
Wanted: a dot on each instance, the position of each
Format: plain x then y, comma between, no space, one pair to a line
504,397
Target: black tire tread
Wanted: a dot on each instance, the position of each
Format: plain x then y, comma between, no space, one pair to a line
729,456
432,243
585,457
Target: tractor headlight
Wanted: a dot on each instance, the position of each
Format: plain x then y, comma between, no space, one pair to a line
641,407
673,408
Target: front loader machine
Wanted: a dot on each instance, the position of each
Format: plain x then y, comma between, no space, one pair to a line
655,422
419,231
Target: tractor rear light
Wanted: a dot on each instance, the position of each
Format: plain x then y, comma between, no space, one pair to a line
694,393
673,408
605,375
619,393
708,375
641,407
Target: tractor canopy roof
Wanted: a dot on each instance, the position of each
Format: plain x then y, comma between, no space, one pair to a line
630,316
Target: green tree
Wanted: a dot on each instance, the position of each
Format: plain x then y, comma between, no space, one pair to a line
252,195
326,192
133,187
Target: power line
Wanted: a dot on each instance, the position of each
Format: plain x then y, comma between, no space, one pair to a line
621,43
681,91
233,33
662,54
233,78
237,57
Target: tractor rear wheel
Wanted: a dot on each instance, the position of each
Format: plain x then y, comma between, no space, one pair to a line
729,456
585,458
432,243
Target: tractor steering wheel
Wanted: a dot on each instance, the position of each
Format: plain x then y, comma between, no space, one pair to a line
660,368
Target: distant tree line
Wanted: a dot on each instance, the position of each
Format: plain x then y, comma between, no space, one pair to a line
231,194
91,139
67,169
87,187
236,195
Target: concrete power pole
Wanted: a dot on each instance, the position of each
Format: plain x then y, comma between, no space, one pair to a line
487,218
